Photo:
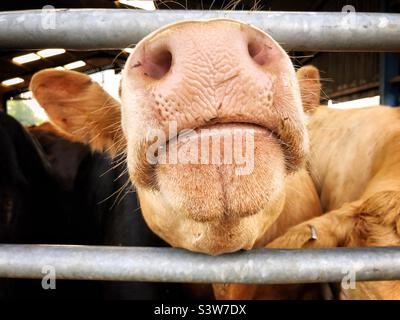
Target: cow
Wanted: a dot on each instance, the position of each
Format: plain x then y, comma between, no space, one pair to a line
63,155
195,75
356,177
354,163
33,208
29,193
223,79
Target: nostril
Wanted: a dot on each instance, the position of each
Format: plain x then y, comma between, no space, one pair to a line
158,64
258,52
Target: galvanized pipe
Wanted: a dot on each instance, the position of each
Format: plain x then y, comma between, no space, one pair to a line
83,29
175,265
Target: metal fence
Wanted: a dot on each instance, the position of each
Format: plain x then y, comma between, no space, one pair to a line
176,265
106,29
114,29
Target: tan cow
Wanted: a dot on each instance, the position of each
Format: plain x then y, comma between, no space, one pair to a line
217,77
357,173
221,75
355,164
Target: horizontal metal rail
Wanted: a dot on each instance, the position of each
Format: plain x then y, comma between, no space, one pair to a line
83,29
175,265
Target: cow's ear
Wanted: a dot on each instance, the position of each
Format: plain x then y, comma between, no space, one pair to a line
310,87
79,108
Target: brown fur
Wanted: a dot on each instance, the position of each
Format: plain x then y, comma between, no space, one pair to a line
367,178
370,222
355,164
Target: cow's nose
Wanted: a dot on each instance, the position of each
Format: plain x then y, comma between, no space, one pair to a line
153,57
157,62
193,44
258,51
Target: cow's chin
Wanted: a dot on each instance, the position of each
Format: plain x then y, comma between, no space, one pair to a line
214,237
216,208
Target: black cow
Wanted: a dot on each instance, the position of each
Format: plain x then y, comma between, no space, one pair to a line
33,208
37,206
29,196
63,155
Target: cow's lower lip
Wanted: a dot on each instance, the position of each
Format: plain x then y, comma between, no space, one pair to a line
235,125
217,129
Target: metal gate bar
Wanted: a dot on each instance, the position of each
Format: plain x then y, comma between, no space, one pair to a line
115,28
175,265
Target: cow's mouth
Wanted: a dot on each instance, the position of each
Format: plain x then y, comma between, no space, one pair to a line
236,125
216,134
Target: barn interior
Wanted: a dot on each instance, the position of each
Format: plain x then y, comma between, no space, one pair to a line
345,76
